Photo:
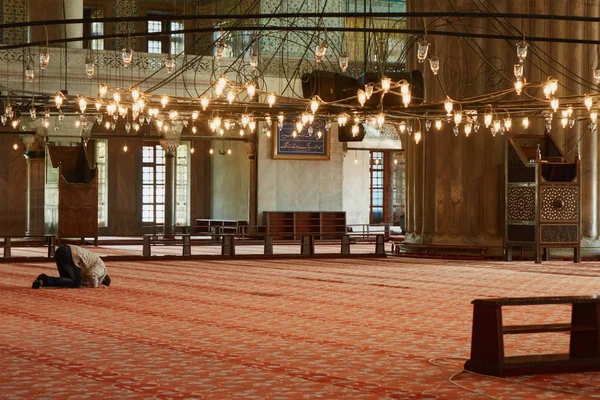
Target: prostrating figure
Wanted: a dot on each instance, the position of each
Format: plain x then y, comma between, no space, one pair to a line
77,267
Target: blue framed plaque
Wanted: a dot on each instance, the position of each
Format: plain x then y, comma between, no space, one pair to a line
306,145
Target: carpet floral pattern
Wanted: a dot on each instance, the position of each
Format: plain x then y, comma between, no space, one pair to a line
279,329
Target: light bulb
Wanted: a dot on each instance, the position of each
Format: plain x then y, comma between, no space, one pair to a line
507,123
135,94
355,130
219,50
343,60
434,64
271,99
320,51
438,124
194,129
90,69
554,104
314,105
44,58
58,100
519,87
125,148
522,50
525,122
192,150
386,83
457,118
518,70
342,119
594,116
127,55
164,100
251,89
16,146
422,48
299,126
204,103
29,72
448,106
417,137
369,90
406,99
589,102
211,151
242,132
102,90
169,63
362,97
380,119
82,104
253,60
487,119
468,128
230,97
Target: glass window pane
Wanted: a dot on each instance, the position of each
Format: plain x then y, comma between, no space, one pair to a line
154,26
148,154
147,175
147,213
154,46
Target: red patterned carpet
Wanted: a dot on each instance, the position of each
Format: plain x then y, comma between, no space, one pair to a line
278,329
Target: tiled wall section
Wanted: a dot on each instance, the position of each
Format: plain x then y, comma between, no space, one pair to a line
14,11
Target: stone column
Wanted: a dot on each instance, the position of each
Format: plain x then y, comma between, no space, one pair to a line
170,148
36,184
52,10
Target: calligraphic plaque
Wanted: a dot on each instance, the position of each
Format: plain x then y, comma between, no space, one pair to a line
307,145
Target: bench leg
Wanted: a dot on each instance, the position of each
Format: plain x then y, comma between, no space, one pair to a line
146,246
487,342
187,245
345,244
546,252
268,245
308,245
379,245
51,246
6,246
577,254
584,343
509,251
227,246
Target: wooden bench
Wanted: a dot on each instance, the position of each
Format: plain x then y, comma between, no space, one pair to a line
437,249
151,239
48,240
487,341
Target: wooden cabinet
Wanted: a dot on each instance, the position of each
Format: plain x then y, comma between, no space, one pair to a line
293,225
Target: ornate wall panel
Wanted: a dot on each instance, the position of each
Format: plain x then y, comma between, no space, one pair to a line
559,203
14,11
559,233
521,203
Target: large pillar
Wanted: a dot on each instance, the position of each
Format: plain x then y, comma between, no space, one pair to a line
36,184
170,148
455,190
56,10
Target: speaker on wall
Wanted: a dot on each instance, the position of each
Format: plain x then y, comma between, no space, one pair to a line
345,133
329,86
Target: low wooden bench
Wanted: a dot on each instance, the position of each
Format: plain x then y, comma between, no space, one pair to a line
436,249
47,240
487,341
151,239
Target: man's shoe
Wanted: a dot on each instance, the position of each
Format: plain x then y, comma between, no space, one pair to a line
41,280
